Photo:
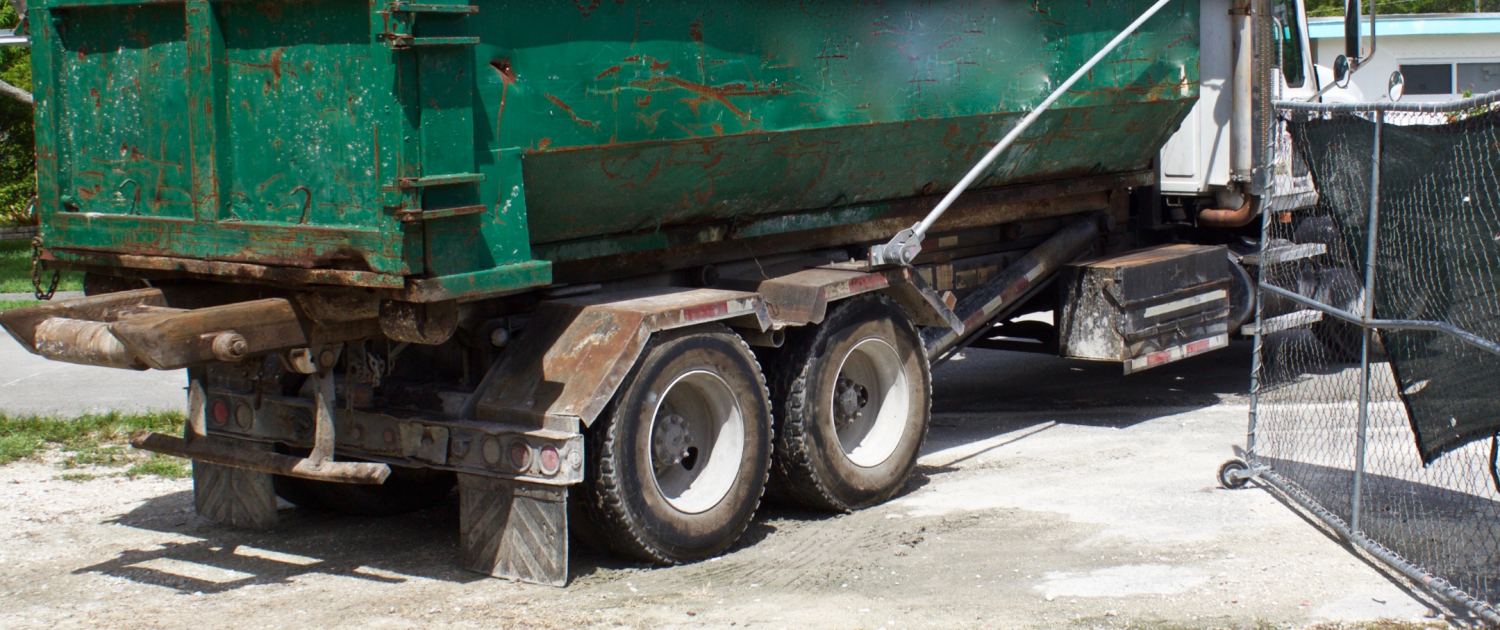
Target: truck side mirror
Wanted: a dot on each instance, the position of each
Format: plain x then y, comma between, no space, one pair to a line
1397,86
1352,43
1341,72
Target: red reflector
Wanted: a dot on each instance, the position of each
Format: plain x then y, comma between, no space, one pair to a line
520,455
551,460
1157,358
1197,346
221,412
705,311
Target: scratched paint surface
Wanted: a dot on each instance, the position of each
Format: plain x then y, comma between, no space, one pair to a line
638,115
278,131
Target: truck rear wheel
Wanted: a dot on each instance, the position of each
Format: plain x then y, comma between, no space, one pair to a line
853,400
678,461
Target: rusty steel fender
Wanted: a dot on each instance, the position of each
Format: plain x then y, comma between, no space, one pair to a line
802,297
568,363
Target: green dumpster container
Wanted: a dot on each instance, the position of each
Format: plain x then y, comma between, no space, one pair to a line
457,151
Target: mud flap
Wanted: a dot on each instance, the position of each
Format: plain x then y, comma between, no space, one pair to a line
513,529
234,496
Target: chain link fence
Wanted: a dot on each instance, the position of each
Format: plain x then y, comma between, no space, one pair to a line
1376,402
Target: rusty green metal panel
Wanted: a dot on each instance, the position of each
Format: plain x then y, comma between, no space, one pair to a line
315,134
639,115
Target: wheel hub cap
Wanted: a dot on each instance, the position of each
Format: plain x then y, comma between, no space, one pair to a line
871,402
697,442
850,399
672,441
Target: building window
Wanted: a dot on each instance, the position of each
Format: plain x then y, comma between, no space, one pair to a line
1428,78
1480,77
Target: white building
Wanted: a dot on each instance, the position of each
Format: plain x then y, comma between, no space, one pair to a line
1440,55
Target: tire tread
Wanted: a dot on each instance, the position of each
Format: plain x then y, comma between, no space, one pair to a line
605,502
794,469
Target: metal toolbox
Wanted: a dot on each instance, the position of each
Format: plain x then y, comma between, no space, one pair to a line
1146,308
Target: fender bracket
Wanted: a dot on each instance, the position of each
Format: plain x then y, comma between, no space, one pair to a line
567,365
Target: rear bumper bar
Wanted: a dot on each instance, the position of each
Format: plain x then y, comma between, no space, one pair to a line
209,451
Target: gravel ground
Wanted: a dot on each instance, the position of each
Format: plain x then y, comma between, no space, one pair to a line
1052,494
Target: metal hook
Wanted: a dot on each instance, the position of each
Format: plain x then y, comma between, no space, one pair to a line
136,200
306,204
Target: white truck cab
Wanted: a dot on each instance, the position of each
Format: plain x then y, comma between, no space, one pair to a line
1208,163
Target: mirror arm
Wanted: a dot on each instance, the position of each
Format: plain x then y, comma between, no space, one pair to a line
1356,63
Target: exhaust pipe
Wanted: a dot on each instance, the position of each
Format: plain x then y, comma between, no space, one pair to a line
1231,217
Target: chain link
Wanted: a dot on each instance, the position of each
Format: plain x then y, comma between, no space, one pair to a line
36,272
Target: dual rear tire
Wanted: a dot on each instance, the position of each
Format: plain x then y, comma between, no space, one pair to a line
853,400
678,461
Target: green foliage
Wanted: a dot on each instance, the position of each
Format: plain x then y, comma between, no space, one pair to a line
15,271
1454,117
160,466
93,455
1326,8
18,446
17,141
93,439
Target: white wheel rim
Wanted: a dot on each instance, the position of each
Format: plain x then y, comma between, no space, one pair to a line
697,442
874,373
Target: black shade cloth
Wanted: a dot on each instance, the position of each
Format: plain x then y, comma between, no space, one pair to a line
1439,254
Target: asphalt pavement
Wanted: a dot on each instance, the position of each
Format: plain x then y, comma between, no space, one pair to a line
30,384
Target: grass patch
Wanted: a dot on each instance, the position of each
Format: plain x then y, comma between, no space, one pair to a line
91,440
160,466
6,305
15,271
14,447
78,477
96,456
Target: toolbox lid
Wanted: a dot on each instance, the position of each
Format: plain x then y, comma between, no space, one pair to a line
1162,270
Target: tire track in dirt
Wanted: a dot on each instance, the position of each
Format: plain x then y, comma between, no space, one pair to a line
813,555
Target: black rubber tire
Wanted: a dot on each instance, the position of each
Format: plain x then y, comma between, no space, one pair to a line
1343,289
811,468
620,494
406,490
1319,230
1230,483
1242,295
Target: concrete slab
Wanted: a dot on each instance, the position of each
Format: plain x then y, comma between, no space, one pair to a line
60,295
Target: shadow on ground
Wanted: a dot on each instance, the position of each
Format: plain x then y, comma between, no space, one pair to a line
987,400
391,549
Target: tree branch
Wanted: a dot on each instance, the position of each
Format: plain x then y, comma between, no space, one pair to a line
16,93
